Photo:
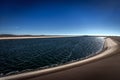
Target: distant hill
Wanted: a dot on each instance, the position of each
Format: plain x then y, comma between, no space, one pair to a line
12,35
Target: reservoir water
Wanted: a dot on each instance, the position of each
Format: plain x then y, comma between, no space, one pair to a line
18,55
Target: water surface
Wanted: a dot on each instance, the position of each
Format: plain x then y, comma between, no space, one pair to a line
23,54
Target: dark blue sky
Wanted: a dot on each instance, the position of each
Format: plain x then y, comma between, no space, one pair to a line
74,17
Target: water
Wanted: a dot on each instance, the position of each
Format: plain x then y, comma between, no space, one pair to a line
23,54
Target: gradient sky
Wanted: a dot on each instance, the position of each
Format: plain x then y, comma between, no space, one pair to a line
58,17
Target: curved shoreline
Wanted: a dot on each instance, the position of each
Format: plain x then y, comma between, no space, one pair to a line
111,46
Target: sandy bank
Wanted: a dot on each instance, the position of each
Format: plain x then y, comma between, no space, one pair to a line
98,67
5,38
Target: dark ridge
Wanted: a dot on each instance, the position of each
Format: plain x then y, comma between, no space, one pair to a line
13,35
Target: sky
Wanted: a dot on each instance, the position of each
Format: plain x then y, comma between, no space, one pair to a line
60,17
